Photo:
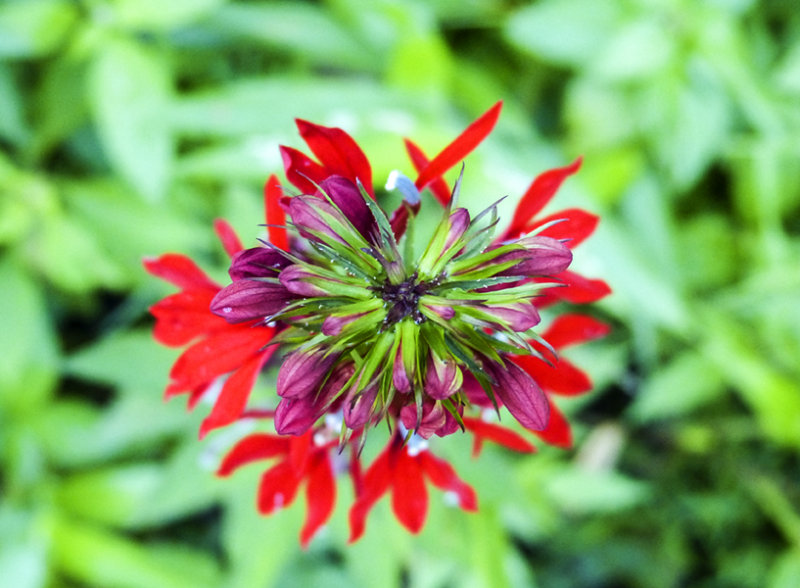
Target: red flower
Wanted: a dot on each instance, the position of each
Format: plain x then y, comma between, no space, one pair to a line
403,470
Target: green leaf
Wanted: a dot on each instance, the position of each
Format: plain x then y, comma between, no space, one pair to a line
12,123
129,87
158,15
31,28
610,491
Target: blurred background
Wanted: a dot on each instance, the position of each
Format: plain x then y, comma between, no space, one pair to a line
126,126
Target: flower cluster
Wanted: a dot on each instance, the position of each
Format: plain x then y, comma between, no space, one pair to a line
370,330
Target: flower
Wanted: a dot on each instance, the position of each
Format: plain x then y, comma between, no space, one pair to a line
431,341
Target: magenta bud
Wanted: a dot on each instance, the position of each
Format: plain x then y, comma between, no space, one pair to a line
247,300
521,394
302,372
347,197
459,222
295,279
333,325
400,379
446,312
296,416
542,256
258,262
357,407
305,213
442,378
434,417
519,316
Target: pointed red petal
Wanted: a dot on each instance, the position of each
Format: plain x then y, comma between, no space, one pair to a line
460,147
216,355
561,378
227,236
409,494
252,448
557,432
538,194
575,227
338,152
274,213
234,394
184,316
375,483
278,488
420,161
443,476
498,434
179,270
302,171
571,329
320,496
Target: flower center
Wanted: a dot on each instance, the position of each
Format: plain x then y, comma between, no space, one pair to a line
403,299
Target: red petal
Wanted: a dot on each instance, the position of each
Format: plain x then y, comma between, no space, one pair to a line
575,227
278,488
498,434
320,496
443,476
274,213
179,270
299,451
227,236
375,484
217,355
338,152
302,171
184,316
571,329
409,495
561,378
460,147
233,397
538,194
252,448
576,290
420,161
557,432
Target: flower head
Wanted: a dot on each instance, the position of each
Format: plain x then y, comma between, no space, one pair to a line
371,330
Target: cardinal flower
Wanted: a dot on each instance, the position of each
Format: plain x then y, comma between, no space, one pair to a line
371,330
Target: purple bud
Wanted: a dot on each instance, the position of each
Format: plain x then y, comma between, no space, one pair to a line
521,394
400,379
295,416
247,300
542,256
333,325
258,262
519,316
434,417
442,379
459,223
305,213
357,407
294,279
446,312
302,372
346,195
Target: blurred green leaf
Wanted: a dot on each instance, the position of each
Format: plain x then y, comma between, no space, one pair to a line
31,28
155,14
785,570
582,491
12,124
129,89
23,549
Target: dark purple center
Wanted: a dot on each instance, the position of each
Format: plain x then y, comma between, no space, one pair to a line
403,299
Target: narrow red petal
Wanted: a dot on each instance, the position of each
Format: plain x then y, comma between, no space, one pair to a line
538,194
409,494
216,355
460,147
576,290
278,488
252,448
420,161
557,432
180,271
498,434
375,483
571,329
227,236
338,152
275,216
561,378
320,496
233,397
302,171
184,316
575,227
443,476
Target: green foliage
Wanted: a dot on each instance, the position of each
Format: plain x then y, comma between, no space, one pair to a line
126,126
